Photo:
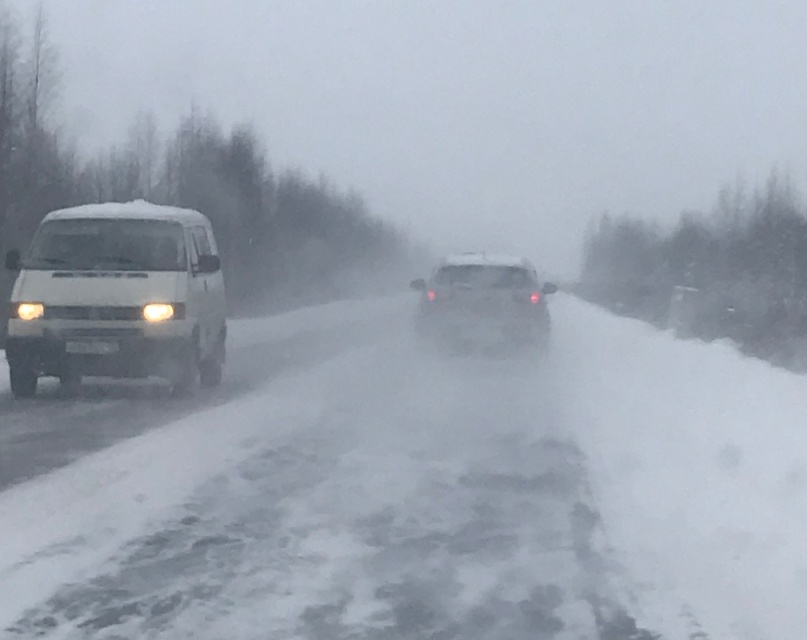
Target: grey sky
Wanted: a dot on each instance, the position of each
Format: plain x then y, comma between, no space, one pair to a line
480,123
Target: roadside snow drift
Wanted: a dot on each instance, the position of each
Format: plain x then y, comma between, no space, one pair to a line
698,461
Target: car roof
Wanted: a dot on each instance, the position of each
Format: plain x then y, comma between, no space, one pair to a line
482,259
135,210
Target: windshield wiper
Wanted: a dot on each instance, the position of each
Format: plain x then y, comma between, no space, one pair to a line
53,261
115,259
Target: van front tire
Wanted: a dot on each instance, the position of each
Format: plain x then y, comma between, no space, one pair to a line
185,384
211,370
211,373
24,381
70,382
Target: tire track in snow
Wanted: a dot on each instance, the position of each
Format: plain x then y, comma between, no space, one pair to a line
189,562
411,570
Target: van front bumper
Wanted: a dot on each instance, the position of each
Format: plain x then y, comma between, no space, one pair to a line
110,355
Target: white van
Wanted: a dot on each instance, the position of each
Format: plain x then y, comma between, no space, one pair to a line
122,290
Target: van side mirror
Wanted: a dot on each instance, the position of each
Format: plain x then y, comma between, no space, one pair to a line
549,288
13,260
418,285
208,264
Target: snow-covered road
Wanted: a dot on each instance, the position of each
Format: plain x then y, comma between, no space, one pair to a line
40,435
361,488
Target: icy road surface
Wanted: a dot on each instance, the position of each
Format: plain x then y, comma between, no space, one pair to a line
345,484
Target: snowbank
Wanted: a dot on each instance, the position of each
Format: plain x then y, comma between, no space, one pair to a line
698,460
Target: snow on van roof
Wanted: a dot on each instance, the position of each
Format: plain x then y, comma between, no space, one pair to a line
497,260
137,210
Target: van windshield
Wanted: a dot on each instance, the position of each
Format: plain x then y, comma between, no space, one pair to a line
104,244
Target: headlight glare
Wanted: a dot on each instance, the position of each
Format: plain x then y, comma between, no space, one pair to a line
158,312
30,310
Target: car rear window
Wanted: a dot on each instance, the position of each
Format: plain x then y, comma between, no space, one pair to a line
483,276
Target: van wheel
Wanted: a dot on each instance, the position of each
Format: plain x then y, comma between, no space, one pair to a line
211,373
24,381
211,370
70,381
185,385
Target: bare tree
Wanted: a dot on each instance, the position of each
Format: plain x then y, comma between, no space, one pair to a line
9,62
42,75
39,92
291,234
144,147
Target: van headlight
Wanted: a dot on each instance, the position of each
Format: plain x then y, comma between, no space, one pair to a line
29,310
158,312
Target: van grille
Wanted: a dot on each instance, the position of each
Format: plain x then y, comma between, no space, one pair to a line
93,313
99,274
96,332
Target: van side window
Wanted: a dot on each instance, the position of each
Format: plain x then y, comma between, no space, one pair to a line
201,242
211,239
193,255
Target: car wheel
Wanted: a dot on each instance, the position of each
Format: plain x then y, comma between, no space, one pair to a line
24,381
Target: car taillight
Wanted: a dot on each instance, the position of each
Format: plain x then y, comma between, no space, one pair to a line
535,298
431,295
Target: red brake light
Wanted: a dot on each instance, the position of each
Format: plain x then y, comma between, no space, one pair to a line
431,295
535,298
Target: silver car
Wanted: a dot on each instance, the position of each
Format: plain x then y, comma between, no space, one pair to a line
479,300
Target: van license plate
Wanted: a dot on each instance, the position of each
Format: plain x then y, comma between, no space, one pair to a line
94,347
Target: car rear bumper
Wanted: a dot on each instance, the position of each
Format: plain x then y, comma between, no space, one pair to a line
485,329
99,355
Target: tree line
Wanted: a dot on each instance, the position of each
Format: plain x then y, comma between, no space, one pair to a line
285,238
745,265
